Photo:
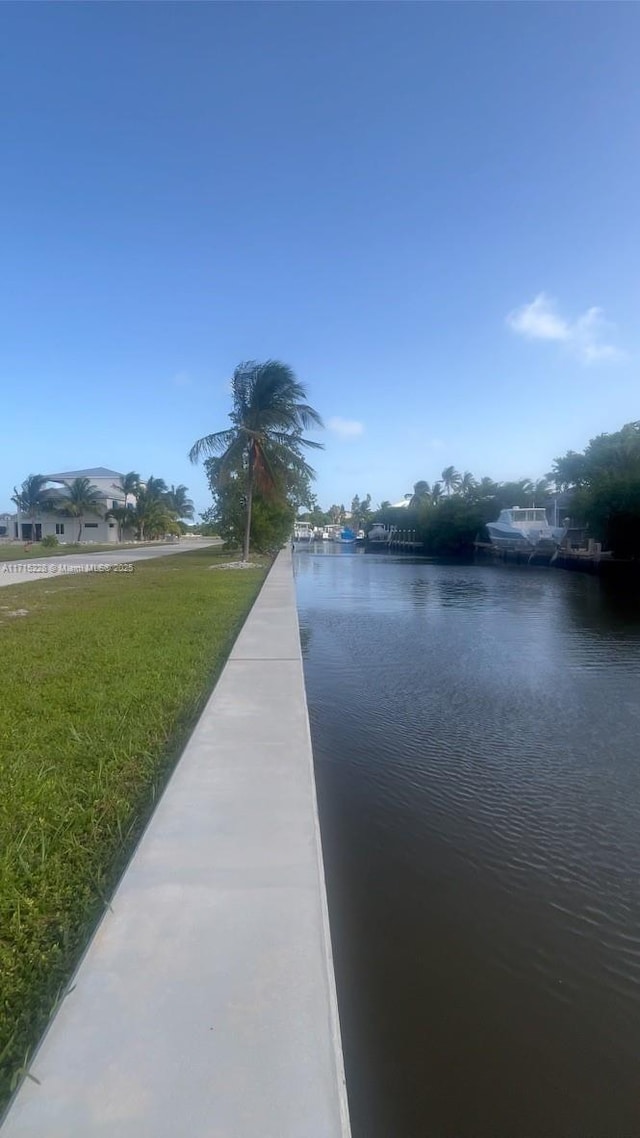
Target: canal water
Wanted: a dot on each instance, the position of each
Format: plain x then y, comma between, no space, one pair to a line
476,733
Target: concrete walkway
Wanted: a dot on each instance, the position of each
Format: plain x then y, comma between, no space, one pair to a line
205,1005
20,571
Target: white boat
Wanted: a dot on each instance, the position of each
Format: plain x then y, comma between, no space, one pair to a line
525,528
380,534
303,531
332,533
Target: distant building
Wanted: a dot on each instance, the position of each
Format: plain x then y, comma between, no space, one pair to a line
95,527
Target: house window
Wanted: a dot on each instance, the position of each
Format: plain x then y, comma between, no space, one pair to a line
59,528
115,505
90,525
112,525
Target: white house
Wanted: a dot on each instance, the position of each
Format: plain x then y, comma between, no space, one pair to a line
93,527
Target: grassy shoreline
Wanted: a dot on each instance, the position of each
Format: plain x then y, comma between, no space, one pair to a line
104,678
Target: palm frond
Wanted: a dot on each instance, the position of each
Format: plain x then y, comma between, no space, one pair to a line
231,462
286,460
241,383
283,438
213,444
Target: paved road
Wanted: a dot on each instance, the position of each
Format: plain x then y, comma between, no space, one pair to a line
43,568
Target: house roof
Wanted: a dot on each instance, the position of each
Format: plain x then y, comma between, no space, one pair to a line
91,472
59,493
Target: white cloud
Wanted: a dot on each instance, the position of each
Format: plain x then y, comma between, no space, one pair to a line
538,321
346,428
587,336
590,333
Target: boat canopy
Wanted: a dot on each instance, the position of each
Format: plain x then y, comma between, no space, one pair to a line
519,514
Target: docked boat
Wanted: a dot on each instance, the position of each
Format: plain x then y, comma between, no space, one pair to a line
525,529
303,531
380,534
347,536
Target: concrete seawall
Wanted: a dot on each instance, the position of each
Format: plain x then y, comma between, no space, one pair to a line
205,1005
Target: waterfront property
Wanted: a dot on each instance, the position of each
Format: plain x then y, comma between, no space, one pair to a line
527,529
93,527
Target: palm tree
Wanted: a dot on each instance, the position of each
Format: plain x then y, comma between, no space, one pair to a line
83,498
421,494
129,484
124,516
487,488
265,440
467,484
179,502
365,511
527,488
450,479
155,487
540,490
436,493
151,514
29,498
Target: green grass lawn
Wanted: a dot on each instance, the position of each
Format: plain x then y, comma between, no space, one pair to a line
19,553
103,678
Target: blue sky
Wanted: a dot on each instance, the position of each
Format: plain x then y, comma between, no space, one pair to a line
430,211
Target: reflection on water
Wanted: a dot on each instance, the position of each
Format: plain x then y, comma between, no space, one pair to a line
476,739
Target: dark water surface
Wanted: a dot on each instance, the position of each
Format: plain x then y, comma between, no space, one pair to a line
476,732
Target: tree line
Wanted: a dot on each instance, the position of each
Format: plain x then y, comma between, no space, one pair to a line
598,489
446,516
150,508
603,485
261,481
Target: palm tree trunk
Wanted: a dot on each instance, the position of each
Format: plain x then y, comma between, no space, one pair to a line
247,528
80,529
247,532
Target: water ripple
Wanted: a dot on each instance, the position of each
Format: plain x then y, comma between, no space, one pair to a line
475,734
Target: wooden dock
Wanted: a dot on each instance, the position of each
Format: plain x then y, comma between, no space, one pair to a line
598,564
399,541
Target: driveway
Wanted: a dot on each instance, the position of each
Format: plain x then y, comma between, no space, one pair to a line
43,568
